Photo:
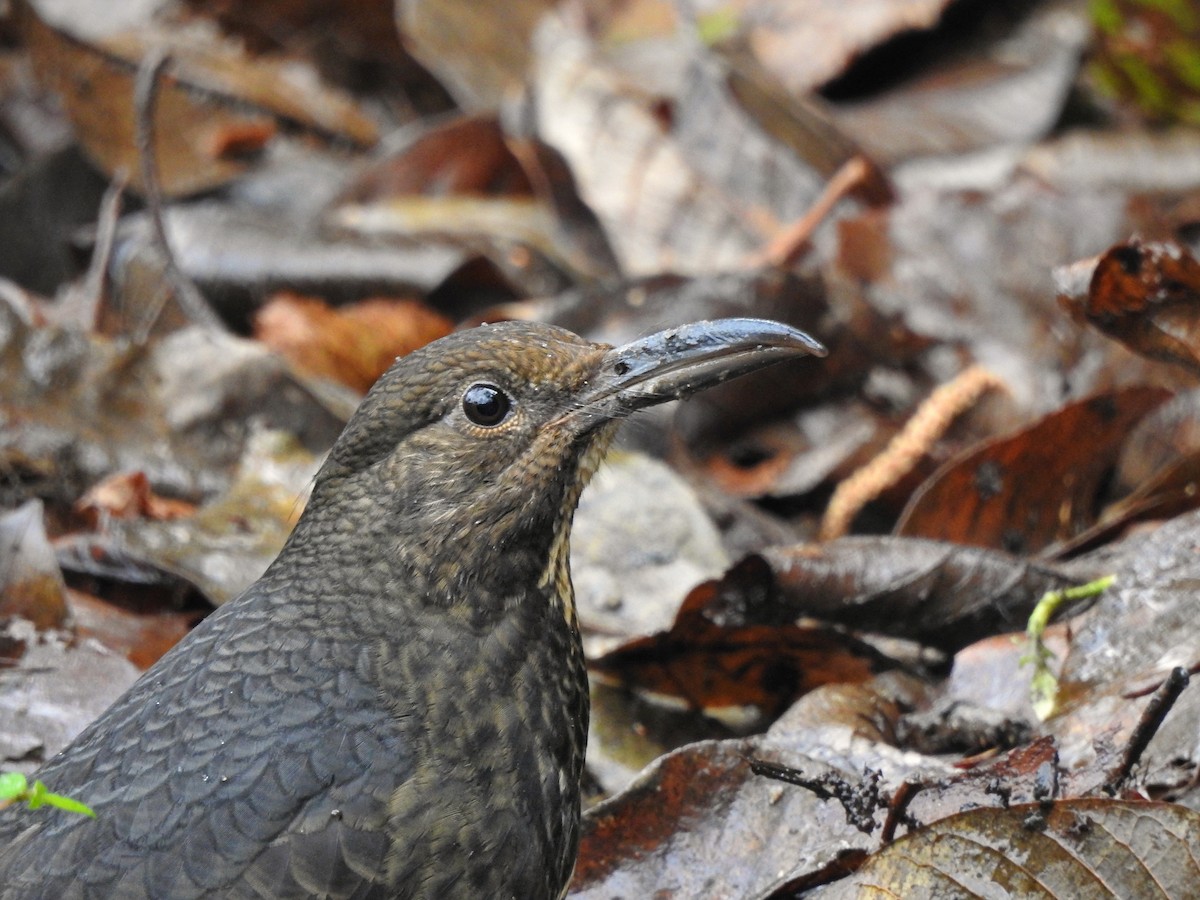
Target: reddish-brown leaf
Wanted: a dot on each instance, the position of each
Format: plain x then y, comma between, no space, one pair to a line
128,495
1145,295
353,345
712,660
214,107
1027,490
140,637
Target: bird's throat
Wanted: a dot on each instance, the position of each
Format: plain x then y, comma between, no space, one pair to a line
556,578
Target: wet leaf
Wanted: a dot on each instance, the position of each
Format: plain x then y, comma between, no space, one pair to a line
1023,492
674,832
708,660
632,562
942,594
1065,849
54,692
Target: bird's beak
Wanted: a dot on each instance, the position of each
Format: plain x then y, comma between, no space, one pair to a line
680,361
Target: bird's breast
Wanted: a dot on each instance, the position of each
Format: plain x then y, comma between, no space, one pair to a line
499,720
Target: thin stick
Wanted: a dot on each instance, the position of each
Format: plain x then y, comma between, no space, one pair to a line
1152,718
106,233
905,450
787,247
187,295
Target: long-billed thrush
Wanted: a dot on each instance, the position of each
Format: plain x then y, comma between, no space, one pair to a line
398,707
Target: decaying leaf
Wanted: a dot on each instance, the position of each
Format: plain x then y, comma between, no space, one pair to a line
127,495
675,831
467,180
936,592
141,637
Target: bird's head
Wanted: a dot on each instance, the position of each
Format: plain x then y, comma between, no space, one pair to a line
468,456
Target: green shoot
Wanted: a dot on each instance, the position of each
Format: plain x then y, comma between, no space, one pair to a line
15,788
1043,686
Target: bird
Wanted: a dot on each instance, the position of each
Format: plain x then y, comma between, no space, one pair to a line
398,707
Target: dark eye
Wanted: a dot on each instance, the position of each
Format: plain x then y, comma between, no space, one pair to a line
486,404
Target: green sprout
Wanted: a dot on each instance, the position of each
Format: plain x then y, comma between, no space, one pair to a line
15,788
1043,686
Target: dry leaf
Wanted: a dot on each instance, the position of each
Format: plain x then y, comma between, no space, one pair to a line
353,345
215,106
128,495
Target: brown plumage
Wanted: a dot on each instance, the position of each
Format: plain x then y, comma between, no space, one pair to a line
398,707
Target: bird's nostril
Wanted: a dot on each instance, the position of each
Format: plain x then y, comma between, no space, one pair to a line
621,368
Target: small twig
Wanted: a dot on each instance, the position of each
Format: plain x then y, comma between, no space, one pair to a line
1149,686
1152,718
859,801
906,448
785,248
897,811
106,233
145,98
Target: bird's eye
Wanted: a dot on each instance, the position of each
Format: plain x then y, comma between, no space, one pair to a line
486,404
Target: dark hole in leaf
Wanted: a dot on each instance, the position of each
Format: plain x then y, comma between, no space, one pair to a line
750,456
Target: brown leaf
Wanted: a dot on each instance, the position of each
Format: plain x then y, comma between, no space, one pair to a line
353,345
1145,295
700,823
128,495
1025,491
219,550
363,30
215,104
942,594
467,177
140,637
480,51
1065,849
709,660
31,583
467,155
